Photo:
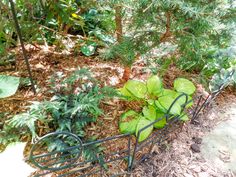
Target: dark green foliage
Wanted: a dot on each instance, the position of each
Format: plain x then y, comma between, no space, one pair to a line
124,51
191,25
50,22
74,105
197,30
94,152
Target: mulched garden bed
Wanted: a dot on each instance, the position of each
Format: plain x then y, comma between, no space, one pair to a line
45,63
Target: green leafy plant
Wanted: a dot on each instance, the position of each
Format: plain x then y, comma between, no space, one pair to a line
142,123
159,103
224,78
89,48
219,60
75,104
27,121
128,122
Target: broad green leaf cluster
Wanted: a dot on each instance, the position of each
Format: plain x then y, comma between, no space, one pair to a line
160,104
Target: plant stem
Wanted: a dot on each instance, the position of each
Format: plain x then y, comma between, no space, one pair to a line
167,33
118,20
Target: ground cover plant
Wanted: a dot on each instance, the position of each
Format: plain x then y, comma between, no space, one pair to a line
74,104
158,104
198,25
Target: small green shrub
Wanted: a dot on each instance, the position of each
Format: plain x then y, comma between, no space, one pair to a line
75,104
158,104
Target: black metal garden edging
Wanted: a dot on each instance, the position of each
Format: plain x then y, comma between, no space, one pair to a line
70,162
204,102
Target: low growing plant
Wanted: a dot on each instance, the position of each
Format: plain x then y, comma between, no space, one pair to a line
75,104
159,103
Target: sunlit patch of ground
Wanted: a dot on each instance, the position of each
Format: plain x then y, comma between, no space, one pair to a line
219,147
12,162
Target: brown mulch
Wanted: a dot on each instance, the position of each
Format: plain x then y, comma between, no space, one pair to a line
46,63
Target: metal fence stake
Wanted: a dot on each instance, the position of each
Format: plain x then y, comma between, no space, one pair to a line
22,44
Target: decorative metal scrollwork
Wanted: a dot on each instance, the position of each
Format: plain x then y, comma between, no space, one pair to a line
56,151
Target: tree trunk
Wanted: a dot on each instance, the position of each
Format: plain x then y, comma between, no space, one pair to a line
126,74
118,20
167,33
119,34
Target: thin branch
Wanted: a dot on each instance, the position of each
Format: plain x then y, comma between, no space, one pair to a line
167,33
150,5
66,35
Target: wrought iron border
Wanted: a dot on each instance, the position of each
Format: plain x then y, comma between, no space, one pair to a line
203,103
157,137
130,154
85,165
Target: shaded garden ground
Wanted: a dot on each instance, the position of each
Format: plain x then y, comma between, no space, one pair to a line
46,62
172,159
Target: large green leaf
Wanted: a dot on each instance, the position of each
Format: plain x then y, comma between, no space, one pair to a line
184,117
167,92
162,122
136,88
164,103
182,99
184,86
8,85
149,112
154,85
143,122
125,92
151,102
128,122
